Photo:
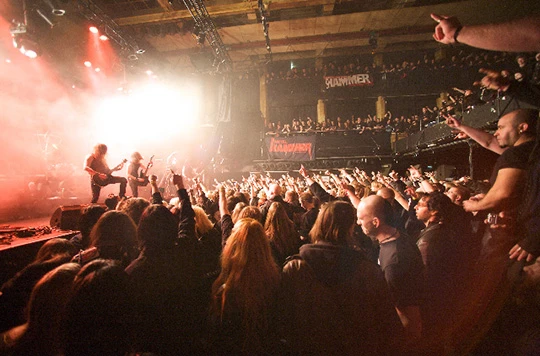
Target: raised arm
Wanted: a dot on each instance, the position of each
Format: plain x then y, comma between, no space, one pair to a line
418,177
507,183
186,215
350,193
484,139
156,194
522,35
226,220
314,187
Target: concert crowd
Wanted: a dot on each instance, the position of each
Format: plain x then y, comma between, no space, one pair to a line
343,262
200,273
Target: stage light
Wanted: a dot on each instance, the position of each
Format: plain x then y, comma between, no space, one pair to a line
8,60
56,10
29,48
18,28
22,39
93,29
87,64
103,38
97,69
149,72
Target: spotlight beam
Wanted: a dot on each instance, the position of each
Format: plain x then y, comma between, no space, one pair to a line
96,15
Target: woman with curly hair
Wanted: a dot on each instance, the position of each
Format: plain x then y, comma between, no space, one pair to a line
244,294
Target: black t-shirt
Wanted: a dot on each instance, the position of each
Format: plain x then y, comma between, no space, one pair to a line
401,263
100,166
513,157
133,169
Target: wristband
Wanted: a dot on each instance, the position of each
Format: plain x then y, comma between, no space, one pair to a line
456,34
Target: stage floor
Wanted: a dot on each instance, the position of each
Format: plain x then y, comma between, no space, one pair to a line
36,228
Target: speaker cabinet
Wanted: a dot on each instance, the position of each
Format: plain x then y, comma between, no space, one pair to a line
66,217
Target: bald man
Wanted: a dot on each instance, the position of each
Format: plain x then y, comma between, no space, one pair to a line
513,141
400,261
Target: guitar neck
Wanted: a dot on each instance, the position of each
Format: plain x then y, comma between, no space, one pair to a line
150,164
117,167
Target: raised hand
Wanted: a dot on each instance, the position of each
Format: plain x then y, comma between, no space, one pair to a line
517,252
303,171
493,80
446,28
452,121
178,181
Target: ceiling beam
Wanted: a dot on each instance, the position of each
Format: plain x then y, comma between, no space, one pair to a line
325,38
165,5
245,7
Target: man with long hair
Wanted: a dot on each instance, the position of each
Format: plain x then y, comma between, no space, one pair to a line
96,165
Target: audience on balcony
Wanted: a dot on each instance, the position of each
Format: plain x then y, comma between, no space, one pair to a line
367,124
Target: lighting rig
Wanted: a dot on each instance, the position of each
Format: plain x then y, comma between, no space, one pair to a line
97,16
266,25
23,38
207,31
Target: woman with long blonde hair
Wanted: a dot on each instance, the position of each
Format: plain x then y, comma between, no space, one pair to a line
281,232
244,294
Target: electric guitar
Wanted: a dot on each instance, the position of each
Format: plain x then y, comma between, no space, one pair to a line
97,180
144,172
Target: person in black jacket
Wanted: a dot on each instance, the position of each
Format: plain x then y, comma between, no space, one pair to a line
335,300
169,312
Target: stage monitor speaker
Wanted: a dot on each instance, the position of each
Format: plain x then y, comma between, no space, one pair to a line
66,217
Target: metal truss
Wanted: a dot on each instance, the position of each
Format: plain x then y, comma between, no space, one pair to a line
208,31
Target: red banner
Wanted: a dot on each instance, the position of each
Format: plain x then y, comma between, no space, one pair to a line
293,148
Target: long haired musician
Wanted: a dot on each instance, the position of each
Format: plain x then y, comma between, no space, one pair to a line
96,165
138,173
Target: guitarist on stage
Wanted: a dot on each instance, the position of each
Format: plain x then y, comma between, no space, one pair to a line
137,173
96,165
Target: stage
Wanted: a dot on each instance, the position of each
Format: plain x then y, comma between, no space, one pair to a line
20,240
